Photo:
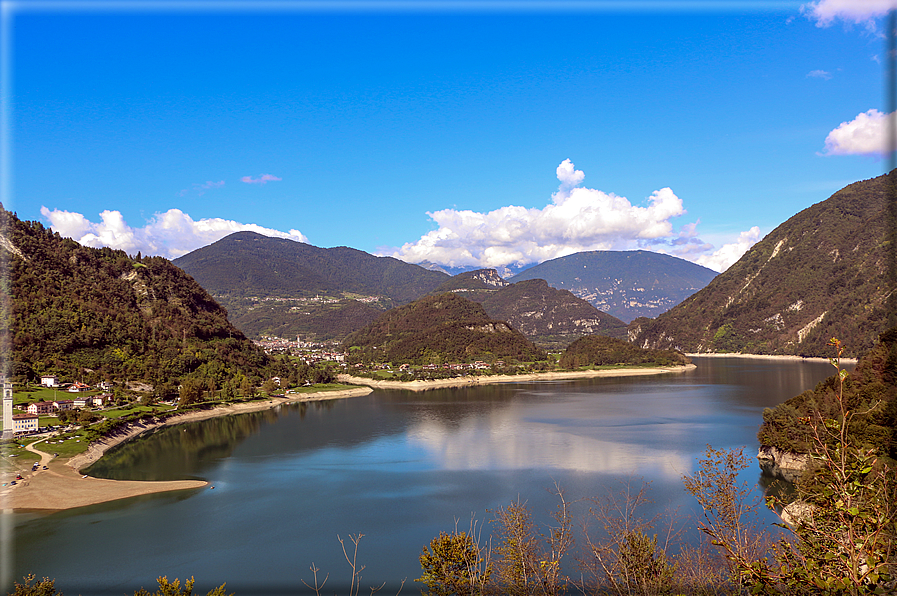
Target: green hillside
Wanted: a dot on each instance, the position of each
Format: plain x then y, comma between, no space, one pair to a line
91,314
311,320
439,329
249,264
870,392
547,316
821,274
596,350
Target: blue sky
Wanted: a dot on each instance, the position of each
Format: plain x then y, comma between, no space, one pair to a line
464,133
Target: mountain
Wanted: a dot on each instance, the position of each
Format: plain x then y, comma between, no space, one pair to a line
597,350
91,314
625,284
249,264
312,320
445,328
478,279
821,274
548,316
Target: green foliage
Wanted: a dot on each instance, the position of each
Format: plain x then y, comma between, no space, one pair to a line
843,524
173,588
439,329
827,261
45,587
597,350
89,314
313,321
249,264
561,315
870,393
454,564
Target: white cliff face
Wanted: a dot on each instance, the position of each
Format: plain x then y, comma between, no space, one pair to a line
490,277
8,245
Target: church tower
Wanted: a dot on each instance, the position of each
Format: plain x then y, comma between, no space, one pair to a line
8,430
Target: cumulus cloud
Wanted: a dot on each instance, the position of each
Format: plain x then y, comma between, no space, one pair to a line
867,134
263,179
170,234
859,12
819,74
728,254
578,219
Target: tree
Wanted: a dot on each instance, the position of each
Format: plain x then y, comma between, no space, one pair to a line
173,588
844,523
45,587
455,563
191,391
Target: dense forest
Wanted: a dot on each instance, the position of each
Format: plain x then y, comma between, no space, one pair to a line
310,320
826,272
89,314
249,264
597,350
439,329
870,392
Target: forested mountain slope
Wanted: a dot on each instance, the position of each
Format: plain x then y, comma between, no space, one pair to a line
249,264
91,314
445,328
821,274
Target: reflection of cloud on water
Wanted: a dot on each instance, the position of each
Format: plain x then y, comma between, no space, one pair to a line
502,440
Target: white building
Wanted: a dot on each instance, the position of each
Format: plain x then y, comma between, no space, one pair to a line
24,423
49,381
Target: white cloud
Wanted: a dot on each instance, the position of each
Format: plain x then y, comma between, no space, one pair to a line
170,234
867,134
819,74
728,254
263,179
578,219
860,12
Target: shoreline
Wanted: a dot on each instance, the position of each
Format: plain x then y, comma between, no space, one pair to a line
62,486
474,381
768,357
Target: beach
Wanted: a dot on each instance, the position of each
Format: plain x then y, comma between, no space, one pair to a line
475,380
62,486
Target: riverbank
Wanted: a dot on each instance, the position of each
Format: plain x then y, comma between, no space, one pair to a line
769,357
474,380
62,486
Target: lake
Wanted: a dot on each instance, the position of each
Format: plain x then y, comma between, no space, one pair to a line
397,467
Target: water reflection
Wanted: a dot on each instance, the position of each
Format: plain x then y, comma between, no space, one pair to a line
397,466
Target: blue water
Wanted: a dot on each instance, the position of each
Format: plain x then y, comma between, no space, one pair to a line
397,467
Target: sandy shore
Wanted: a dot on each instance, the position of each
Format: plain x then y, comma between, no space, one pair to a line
473,381
768,357
62,486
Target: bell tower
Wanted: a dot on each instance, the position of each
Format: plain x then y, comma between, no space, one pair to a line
8,430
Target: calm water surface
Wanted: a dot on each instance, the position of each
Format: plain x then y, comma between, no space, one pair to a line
398,467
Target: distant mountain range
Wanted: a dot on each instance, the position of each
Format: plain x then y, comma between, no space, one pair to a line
625,284
281,287
826,272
